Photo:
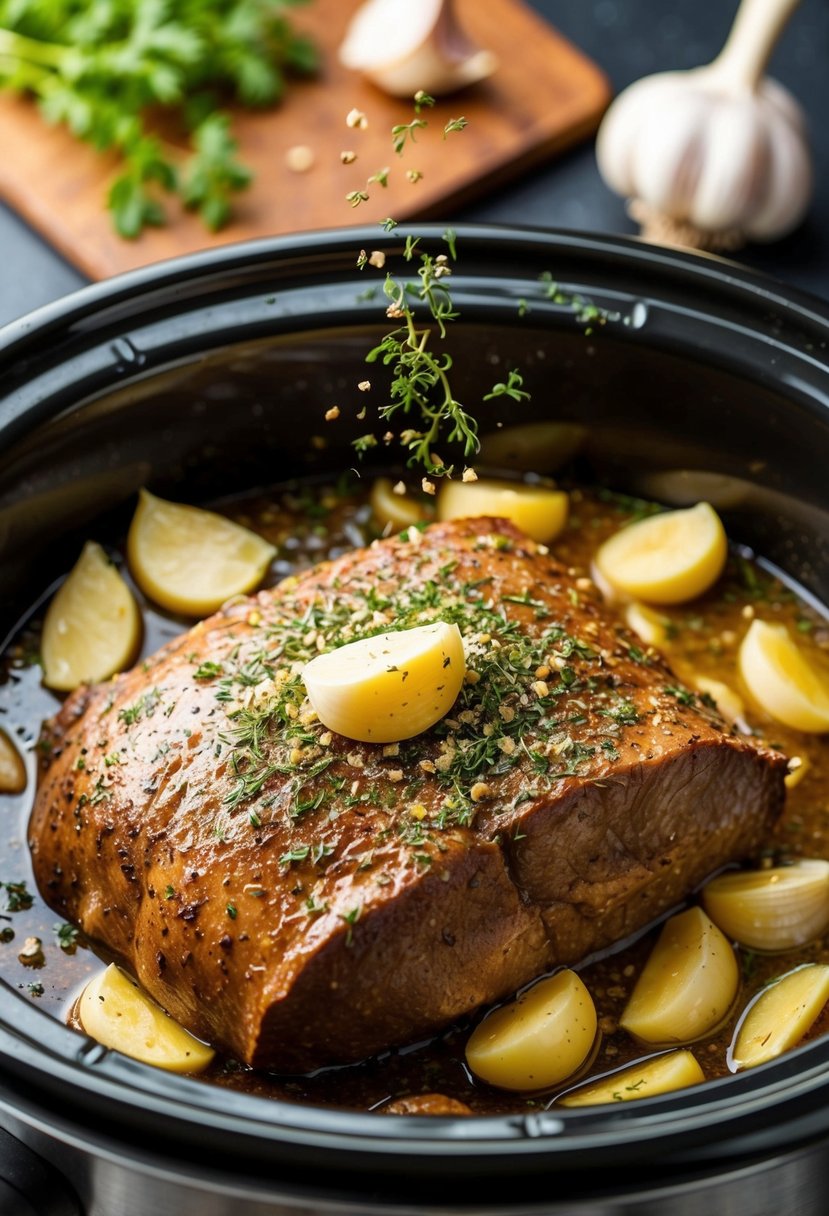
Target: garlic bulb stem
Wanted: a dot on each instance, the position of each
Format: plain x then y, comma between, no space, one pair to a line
757,26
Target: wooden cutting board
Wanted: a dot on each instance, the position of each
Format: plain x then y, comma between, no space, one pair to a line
544,96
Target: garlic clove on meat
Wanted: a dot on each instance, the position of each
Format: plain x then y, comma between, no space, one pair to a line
540,511
717,155
389,687
659,1075
404,47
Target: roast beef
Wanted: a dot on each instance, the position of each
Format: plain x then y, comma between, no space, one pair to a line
299,899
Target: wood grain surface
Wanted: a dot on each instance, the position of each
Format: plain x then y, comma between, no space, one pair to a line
544,96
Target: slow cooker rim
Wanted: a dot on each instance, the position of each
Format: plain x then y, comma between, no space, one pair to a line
737,283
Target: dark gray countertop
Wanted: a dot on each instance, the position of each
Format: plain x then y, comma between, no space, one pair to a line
629,39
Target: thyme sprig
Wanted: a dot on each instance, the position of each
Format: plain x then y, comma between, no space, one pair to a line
421,371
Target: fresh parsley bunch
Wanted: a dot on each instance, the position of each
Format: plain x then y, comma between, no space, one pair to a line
118,71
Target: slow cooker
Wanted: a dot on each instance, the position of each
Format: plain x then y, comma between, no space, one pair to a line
209,374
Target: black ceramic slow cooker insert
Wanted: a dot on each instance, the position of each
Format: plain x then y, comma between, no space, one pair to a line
208,375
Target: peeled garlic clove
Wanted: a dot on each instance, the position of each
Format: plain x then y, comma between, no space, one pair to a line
687,985
404,48
189,560
538,1040
666,558
396,510
92,626
389,687
532,447
646,624
114,1011
780,1017
776,909
537,510
12,768
727,701
659,1075
781,680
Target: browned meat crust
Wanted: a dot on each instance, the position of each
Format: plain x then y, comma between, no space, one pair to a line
300,899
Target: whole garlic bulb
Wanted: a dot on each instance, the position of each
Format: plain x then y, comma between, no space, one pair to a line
714,156
407,45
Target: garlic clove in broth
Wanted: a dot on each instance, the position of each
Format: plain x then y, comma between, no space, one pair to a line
688,984
714,156
404,48
538,1040
667,558
540,511
120,1015
393,507
12,767
783,679
780,1016
776,909
92,626
648,625
659,1075
730,704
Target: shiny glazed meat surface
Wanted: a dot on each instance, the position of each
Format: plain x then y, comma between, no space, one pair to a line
300,899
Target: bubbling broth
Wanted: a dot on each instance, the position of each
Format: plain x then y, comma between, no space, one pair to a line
49,961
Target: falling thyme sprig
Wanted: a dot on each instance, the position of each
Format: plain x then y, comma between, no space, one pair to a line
421,372
421,385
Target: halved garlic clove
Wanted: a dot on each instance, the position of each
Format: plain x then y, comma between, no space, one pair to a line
776,909
780,1017
532,447
688,984
781,680
12,768
727,701
397,511
538,1040
114,1011
659,1075
646,624
189,560
389,687
404,48
92,626
539,511
666,558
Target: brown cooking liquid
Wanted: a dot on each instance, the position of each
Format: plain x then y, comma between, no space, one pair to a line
313,523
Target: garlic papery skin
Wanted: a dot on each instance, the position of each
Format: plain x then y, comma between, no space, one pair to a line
769,910
719,154
404,47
